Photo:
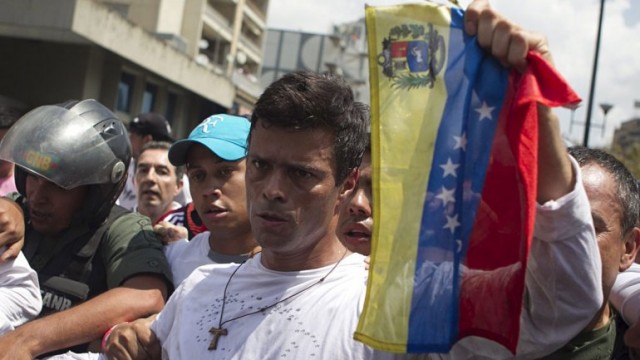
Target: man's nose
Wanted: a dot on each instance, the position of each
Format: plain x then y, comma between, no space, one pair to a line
359,204
273,186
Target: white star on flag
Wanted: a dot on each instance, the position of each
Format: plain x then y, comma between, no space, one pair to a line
485,111
452,223
446,196
461,142
449,168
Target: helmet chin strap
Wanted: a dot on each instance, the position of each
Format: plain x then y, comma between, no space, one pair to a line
101,199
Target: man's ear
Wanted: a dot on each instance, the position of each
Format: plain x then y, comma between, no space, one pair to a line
180,183
349,184
631,246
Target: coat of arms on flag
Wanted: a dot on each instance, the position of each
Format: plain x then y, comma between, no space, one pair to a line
412,55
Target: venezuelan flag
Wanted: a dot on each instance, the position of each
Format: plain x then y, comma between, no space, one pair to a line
454,151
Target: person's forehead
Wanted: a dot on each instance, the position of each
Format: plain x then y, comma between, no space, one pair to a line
601,188
155,157
289,140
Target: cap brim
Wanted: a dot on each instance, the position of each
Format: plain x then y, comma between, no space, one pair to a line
225,150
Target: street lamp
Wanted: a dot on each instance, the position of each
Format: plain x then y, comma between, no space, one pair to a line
587,126
606,107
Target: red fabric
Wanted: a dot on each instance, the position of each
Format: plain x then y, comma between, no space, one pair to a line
491,299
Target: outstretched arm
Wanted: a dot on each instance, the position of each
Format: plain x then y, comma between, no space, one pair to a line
509,44
140,296
565,242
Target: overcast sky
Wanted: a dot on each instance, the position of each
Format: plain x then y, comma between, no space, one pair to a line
570,26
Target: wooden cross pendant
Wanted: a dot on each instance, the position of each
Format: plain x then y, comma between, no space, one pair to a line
217,332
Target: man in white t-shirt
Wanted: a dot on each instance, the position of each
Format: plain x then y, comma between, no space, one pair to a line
214,156
301,297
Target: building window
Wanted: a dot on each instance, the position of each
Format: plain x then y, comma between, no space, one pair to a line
149,98
125,92
172,103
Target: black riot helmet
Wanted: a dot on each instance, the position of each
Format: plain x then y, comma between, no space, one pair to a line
72,144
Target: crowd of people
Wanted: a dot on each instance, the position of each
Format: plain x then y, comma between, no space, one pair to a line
250,238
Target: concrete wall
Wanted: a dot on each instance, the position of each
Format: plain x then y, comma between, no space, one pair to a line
40,72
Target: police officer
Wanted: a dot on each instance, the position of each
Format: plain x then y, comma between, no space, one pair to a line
98,264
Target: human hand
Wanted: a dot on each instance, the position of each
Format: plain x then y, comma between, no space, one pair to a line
133,341
11,229
12,348
168,232
506,41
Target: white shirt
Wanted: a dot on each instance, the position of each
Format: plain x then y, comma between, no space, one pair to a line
20,299
287,328
185,256
625,294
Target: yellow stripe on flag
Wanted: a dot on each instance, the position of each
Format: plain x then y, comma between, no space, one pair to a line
404,125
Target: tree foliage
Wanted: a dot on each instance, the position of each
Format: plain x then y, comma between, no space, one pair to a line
629,156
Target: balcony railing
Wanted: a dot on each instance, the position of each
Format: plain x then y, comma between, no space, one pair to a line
216,17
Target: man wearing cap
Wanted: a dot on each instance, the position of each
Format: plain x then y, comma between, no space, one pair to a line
145,128
214,155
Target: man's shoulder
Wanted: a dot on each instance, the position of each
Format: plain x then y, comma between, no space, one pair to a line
121,219
129,229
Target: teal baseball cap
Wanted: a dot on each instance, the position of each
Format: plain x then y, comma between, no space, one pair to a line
224,135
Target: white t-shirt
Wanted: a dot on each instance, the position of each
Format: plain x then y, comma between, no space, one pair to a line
625,294
185,256
289,328
563,270
20,299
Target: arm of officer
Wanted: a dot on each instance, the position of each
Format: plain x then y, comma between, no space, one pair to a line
140,296
11,229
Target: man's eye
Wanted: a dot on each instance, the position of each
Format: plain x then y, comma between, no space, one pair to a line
225,172
195,176
299,173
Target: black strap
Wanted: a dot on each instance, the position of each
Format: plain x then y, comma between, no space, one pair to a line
80,267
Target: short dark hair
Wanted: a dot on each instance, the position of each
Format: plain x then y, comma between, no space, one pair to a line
163,145
305,100
627,187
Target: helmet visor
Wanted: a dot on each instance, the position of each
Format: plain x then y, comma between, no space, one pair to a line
62,147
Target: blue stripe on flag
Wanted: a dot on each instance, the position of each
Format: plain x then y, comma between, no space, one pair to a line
460,159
